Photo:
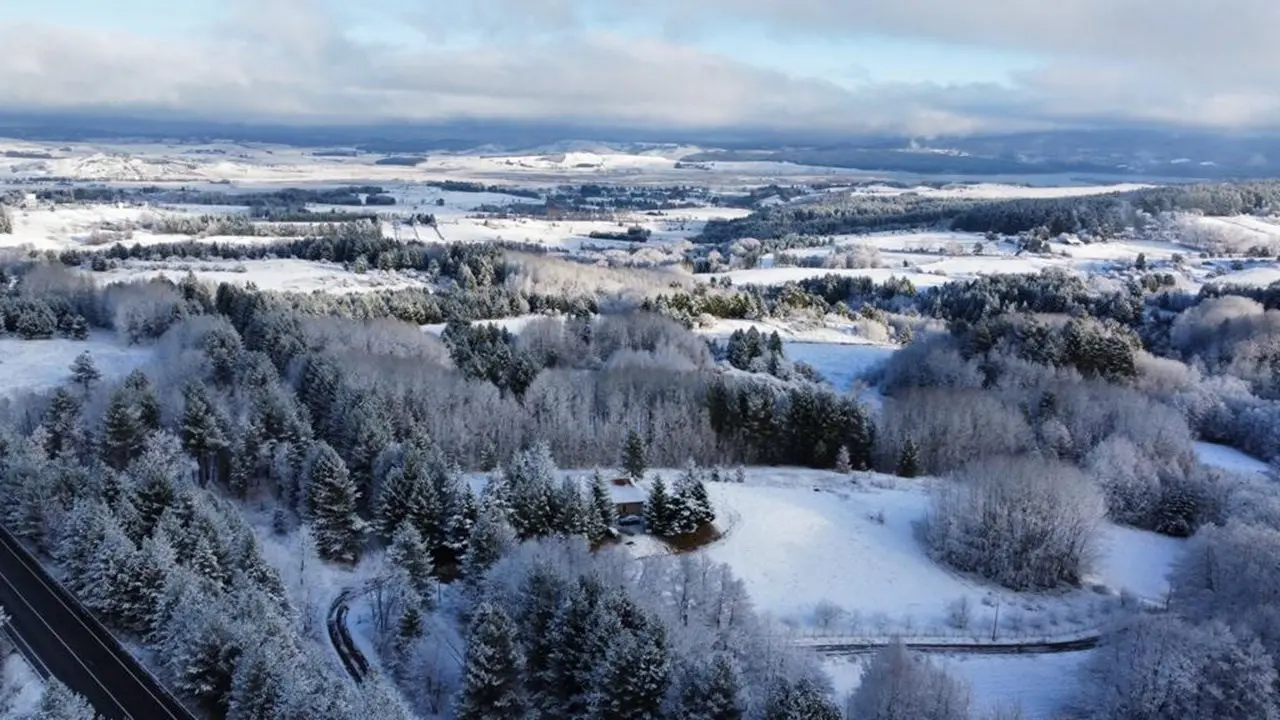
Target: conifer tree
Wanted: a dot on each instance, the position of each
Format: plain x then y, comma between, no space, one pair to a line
711,690
802,700
636,674
634,456
909,460
601,511
144,399
83,372
570,514
579,637
491,538
332,500
691,489
59,703
123,431
62,421
409,553
202,432
658,510
843,464
491,687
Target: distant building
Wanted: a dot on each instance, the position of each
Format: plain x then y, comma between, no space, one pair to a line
628,498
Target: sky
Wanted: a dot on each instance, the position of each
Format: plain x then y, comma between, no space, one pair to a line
902,67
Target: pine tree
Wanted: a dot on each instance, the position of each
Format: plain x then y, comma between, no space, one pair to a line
692,492
601,511
843,465
658,511
635,677
569,513
332,501
491,539
491,687
711,691
528,489
258,687
909,460
144,399
59,703
409,553
579,637
540,598
123,431
62,421
633,456
83,372
202,432
799,701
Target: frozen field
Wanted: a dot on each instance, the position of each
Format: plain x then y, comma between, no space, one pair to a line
33,365
801,539
286,275
840,363
1228,458
1042,685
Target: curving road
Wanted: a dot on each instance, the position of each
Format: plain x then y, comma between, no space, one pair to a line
60,638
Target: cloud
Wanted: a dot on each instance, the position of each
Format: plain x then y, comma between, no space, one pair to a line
1173,62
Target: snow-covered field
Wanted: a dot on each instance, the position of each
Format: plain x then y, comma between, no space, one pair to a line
801,539
285,275
1228,458
840,363
33,365
1041,685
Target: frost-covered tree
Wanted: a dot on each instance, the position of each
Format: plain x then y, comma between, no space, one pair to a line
635,456
1022,522
492,685
843,465
528,483
58,702
691,489
332,502
203,433
491,539
601,511
83,372
908,459
900,685
710,690
800,700
62,422
635,675
409,552
1160,668
658,511
123,432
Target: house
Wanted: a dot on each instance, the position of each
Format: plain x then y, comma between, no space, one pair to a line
628,498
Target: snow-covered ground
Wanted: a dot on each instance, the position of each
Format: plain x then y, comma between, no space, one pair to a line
1228,458
840,363
832,330
803,539
20,687
1137,560
284,275
1041,685
32,365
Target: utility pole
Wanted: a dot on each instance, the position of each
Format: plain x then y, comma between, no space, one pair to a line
995,622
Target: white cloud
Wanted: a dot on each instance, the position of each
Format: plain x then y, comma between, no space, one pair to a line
1169,61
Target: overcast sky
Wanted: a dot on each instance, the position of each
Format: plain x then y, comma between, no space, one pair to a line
915,67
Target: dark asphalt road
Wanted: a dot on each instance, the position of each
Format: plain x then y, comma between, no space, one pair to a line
61,639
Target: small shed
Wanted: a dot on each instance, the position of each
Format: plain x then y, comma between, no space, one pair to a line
628,498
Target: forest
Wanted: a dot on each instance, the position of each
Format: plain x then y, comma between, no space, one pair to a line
1099,216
